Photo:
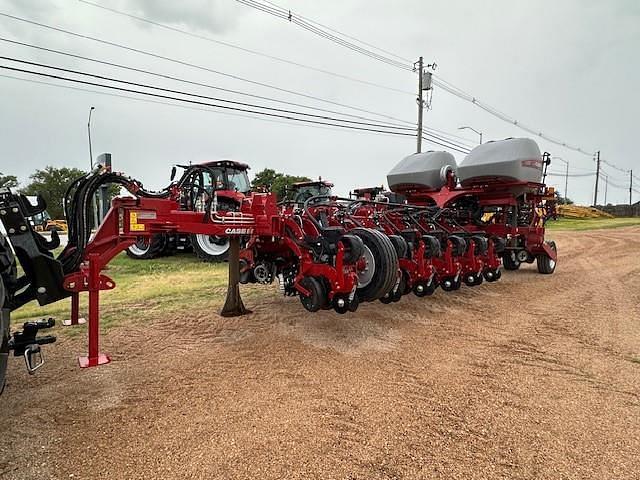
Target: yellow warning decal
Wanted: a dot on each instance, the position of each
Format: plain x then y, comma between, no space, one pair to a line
134,226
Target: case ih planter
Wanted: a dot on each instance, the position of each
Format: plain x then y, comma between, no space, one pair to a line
331,252
500,193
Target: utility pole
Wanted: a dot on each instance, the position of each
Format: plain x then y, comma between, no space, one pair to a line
595,197
420,104
566,183
630,186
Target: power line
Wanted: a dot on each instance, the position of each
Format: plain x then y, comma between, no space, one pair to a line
301,22
561,174
192,65
244,49
183,80
188,107
437,81
344,34
207,97
196,102
614,167
438,142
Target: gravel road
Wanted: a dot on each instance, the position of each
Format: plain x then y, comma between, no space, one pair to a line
531,377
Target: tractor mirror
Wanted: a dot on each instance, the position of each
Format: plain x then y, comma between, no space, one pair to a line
173,172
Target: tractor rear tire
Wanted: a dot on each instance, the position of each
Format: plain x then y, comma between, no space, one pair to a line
381,256
510,261
210,248
147,248
545,264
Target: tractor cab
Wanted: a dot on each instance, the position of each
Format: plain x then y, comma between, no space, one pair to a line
227,178
300,192
378,194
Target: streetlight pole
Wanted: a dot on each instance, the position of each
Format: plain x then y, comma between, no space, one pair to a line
473,129
566,177
89,134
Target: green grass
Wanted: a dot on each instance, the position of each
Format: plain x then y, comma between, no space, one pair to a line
147,290
591,223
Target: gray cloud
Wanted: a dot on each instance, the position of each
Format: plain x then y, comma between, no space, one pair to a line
209,15
566,67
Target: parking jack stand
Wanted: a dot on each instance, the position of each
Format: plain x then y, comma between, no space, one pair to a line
94,358
233,306
75,312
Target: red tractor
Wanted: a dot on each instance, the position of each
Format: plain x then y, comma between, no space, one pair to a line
224,182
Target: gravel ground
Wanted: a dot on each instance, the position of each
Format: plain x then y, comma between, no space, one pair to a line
532,377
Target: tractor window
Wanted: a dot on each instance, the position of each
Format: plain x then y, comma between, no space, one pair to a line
213,180
308,191
238,180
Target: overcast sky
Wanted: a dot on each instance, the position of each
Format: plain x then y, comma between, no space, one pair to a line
569,68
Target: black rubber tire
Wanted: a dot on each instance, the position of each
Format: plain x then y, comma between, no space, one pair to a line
450,284
471,280
353,248
385,260
459,245
510,261
353,304
490,275
340,309
155,247
497,274
427,288
317,298
481,244
400,244
402,287
547,266
246,276
387,299
432,246
499,244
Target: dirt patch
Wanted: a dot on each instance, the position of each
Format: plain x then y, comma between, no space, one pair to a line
532,377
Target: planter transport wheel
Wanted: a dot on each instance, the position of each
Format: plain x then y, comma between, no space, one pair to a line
545,264
378,276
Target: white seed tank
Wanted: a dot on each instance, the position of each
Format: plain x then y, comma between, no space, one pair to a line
425,170
502,161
